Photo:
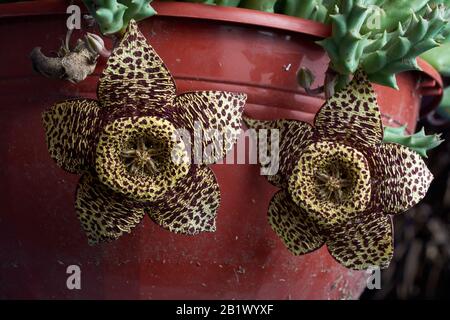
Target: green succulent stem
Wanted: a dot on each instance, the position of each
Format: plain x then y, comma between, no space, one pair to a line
383,47
383,37
419,142
261,5
113,16
317,10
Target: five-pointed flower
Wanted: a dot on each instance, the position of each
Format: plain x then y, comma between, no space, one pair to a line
126,149
340,184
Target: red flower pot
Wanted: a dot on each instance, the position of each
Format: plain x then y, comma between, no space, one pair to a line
205,47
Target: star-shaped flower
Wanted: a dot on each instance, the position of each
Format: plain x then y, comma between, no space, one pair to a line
340,184
125,148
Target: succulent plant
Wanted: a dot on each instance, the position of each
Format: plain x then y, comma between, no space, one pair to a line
381,54
309,9
439,57
385,14
419,142
403,45
114,15
261,5
346,45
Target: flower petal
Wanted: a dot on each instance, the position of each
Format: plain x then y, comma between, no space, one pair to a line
191,206
351,116
294,136
213,117
293,225
72,130
400,179
135,75
104,214
363,243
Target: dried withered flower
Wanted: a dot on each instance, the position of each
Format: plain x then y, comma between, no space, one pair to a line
340,184
124,146
72,64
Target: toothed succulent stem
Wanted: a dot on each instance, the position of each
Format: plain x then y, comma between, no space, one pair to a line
345,46
113,16
316,10
380,53
419,142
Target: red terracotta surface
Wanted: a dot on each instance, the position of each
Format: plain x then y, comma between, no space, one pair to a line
39,232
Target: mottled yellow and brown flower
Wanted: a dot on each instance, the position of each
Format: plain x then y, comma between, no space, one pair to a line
340,183
124,146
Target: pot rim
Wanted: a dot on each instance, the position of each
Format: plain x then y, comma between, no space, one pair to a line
185,10
431,86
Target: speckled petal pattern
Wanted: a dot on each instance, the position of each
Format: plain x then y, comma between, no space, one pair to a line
342,180
112,170
351,116
294,137
128,148
191,206
71,131
400,177
135,75
292,224
105,215
363,243
199,112
305,188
